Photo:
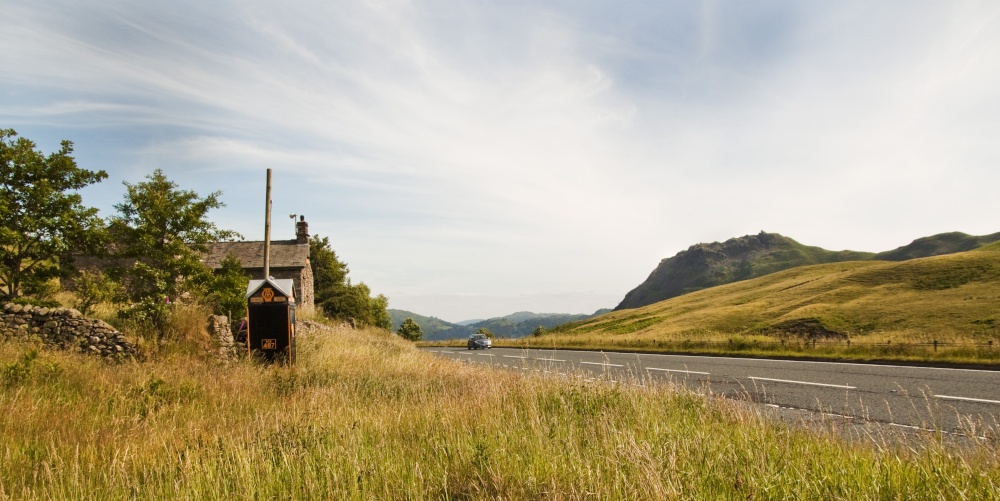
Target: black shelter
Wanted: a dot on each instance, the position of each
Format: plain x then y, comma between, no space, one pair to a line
271,320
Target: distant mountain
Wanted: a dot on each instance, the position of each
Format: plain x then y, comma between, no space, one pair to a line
515,325
707,265
433,328
948,297
523,323
937,245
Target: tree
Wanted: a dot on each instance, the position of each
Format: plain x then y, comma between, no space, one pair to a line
226,289
164,231
42,218
539,331
409,330
486,332
337,296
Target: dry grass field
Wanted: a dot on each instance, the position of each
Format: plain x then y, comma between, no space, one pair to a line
364,415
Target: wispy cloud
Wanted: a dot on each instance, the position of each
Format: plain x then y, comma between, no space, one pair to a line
489,149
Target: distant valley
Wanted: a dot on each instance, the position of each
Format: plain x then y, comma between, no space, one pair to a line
515,325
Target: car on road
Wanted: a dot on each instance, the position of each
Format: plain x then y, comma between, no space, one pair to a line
480,342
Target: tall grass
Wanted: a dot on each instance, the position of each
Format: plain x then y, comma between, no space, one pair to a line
365,416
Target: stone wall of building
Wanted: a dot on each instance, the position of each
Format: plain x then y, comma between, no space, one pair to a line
63,328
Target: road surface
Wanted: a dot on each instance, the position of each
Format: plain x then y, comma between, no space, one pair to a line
923,397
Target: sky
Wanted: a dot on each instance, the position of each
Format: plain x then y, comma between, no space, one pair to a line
471,159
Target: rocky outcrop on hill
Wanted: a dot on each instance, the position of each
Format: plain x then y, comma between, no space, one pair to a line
707,265
64,328
710,264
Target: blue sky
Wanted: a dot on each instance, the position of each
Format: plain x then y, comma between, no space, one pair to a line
473,159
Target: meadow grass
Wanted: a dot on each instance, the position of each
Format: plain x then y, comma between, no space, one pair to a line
364,415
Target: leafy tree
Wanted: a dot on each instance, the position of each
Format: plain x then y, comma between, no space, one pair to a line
226,289
539,331
163,230
329,273
41,216
410,330
486,332
337,296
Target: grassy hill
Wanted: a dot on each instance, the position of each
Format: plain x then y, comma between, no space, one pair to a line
954,298
707,265
944,243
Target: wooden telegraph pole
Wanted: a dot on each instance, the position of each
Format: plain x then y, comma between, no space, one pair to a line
267,229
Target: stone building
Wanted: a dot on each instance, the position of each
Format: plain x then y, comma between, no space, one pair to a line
289,259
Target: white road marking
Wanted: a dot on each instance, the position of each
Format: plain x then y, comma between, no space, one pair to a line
605,364
550,359
807,383
967,399
442,351
463,353
484,354
514,356
676,370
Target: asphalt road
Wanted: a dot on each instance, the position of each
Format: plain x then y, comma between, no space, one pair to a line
953,400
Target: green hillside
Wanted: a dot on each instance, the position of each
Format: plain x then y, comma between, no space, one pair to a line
523,323
937,245
953,298
434,328
708,265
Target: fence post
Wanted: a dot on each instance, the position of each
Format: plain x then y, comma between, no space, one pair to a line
935,345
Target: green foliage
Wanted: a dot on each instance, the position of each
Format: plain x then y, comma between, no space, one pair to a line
43,218
538,332
486,332
225,290
337,296
15,373
409,330
92,288
163,230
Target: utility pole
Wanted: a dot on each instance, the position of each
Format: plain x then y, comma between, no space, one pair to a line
267,229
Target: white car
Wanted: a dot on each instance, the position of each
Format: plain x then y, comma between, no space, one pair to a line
480,342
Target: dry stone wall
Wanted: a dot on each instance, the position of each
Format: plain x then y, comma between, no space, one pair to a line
64,328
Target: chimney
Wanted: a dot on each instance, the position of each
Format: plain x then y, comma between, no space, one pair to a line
302,231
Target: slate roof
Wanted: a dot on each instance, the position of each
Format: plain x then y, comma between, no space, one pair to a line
284,254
